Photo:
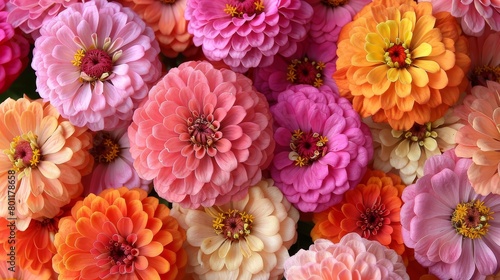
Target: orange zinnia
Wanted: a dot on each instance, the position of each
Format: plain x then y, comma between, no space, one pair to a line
402,64
371,210
120,234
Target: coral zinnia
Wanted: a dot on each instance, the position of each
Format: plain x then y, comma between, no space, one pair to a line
204,135
322,147
248,33
353,257
244,239
400,63
95,63
453,230
370,210
113,163
46,154
479,139
120,233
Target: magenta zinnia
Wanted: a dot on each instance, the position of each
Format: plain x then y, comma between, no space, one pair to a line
95,63
203,135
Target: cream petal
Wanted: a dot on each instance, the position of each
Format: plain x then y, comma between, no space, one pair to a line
254,264
216,263
49,169
254,243
234,258
430,144
196,234
403,148
414,153
223,249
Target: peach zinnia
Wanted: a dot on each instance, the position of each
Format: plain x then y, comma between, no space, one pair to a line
48,156
119,234
400,63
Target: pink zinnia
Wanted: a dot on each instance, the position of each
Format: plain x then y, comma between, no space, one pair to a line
473,14
95,63
14,50
485,57
322,147
203,135
248,33
354,257
312,64
113,164
454,231
330,16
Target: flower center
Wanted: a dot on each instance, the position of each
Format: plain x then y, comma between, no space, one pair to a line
233,224
236,8
24,152
121,253
105,149
203,130
397,56
94,64
334,3
481,74
470,219
306,71
372,219
418,133
168,1
307,147
50,226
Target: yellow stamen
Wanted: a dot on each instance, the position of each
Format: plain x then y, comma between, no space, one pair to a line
77,61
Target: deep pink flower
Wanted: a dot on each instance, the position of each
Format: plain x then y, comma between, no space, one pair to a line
203,135
312,64
95,63
31,15
330,16
322,147
248,33
113,164
453,230
14,50
473,14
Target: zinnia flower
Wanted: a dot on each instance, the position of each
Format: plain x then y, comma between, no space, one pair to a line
204,135
485,58
472,14
370,210
242,239
22,273
113,164
31,15
353,257
312,64
120,234
330,16
248,33
322,147
166,17
46,154
401,63
479,139
14,50
453,230
95,63
405,151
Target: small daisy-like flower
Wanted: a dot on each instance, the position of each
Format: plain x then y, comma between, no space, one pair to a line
113,163
119,234
370,210
485,58
405,151
95,63
322,147
353,257
401,63
479,139
453,230
204,135
45,153
244,239
248,33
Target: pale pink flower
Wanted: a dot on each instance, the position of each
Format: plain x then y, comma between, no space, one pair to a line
485,57
247,33
204,135
473,14
354,257
242,239
95,63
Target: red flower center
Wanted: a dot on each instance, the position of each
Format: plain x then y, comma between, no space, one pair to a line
203,130
397,56
237,8
481,74
306,71
334,3
105,149
168,1
233,224
97,64
23,152
307,147
373,219
121,254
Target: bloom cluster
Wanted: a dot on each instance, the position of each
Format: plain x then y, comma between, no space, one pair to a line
249,139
